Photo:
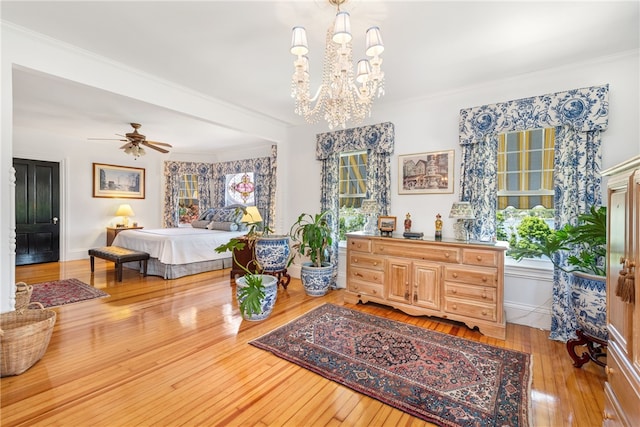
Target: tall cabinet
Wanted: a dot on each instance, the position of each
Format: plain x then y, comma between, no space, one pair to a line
622,389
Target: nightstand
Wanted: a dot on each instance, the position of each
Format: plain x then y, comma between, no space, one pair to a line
112,232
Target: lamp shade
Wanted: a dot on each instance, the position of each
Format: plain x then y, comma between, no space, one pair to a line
251,215
342,28
462,210
374,42
299,44
125,210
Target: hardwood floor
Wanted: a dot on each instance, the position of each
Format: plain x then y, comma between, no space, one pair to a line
174,352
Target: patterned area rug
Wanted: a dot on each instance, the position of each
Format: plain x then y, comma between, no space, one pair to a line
67,291
437,377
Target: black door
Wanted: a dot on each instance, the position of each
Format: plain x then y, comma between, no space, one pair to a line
37,211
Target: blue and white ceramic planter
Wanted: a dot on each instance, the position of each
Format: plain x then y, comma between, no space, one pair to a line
316,280
268,302
589,297
272,252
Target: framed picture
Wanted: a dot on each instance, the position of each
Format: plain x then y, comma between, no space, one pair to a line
386,223
118,181
425,173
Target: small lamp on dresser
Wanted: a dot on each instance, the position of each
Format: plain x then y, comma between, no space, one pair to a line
463,212
125,212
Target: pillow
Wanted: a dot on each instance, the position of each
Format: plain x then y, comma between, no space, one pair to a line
227,215
205,214
200,223
222,225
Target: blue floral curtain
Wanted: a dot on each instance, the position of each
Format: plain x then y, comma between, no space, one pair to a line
378,140
264,173
579,116
173,173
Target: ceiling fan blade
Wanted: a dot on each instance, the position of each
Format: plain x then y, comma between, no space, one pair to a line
159,143
146,144
107,139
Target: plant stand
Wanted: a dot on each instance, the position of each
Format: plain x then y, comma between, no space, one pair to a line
283,277
596,349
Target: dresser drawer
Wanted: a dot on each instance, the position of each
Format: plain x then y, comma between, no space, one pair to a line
470,292
365,288
480,257
470,309
475,276
360,245
367,275
366,261
417,251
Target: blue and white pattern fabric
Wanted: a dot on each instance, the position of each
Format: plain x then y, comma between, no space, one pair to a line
579,116
379,141
211,186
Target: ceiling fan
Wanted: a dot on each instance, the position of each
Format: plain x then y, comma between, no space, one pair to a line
134,140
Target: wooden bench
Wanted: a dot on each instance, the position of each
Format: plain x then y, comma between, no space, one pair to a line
119,256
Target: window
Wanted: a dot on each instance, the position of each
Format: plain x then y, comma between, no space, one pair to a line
188,202
240,188
525,185
352,190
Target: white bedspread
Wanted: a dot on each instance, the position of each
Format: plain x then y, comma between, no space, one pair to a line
177,245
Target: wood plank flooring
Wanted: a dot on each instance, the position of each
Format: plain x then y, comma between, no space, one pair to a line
175,353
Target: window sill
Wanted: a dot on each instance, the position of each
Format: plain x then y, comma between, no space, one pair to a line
532,268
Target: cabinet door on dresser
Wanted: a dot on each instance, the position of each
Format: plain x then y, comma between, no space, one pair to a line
413,282
398,275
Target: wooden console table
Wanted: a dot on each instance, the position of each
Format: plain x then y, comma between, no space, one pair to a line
444,278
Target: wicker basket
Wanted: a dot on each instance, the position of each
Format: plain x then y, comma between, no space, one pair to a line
23,296
24,337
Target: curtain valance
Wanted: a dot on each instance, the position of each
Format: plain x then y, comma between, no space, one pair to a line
584,110
378,138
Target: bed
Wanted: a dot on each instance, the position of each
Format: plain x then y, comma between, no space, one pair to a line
178,252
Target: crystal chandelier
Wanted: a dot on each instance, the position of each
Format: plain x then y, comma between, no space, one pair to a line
340,97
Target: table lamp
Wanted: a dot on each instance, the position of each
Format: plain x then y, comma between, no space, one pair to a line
125,212
463,212
251,215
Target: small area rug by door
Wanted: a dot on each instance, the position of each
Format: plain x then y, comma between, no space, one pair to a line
67,291
443,379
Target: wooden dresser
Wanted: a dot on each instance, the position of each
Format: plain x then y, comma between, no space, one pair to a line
449,279
622,389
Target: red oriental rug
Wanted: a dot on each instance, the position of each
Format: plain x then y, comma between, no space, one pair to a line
67,291
443,379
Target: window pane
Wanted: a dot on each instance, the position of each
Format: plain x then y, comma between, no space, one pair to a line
352,190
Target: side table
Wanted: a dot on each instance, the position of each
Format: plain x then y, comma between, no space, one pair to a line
112,232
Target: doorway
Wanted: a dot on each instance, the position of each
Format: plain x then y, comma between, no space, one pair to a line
37,206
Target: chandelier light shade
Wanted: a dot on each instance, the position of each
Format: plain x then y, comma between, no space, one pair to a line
125,212
341,97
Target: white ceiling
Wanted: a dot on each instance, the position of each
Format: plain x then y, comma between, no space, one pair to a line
238,52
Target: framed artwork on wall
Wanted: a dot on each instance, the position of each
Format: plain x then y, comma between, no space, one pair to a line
425,173
118,181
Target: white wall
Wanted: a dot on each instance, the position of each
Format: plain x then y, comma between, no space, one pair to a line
432,125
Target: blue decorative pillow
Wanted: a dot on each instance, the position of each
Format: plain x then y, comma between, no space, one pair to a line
227,215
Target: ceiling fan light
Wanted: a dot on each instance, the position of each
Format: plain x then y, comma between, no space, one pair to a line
141,151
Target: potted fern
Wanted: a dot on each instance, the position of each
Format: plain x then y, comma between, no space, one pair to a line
256,292
587,266
311,235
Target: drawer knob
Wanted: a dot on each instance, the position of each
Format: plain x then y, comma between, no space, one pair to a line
607,416
355,260
374,292
454,306
484,312
358,274
375,278
484,278
446,255
609,371
375,263
484,295
454,291
455,275
479,258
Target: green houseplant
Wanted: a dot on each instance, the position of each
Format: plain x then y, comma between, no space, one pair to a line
256,292
589,236
312,238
